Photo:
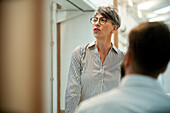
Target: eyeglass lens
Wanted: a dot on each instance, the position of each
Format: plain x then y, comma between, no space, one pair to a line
102,20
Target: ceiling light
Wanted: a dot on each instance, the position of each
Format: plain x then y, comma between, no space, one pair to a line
139,14
161,18
130,3
163,10
151,15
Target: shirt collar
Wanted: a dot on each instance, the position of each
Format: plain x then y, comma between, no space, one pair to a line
140,80
93,44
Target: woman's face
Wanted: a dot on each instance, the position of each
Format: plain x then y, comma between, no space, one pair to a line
103,29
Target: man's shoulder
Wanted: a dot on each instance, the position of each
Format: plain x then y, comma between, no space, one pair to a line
99,101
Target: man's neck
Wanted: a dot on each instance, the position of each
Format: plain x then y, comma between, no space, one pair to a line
130,72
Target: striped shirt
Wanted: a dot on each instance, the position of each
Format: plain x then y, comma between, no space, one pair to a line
87,75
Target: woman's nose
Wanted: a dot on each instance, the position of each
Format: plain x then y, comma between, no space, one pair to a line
97,23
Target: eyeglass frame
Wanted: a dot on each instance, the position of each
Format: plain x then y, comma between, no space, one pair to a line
99,19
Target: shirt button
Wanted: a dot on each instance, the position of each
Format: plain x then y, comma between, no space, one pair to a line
102,70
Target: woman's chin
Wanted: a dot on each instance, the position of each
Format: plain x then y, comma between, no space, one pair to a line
97,35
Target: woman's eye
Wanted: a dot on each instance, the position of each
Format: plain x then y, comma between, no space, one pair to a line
95,20
103,20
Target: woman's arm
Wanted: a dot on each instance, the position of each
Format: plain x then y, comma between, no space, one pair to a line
73,90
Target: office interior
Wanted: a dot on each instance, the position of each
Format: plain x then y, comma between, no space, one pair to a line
37,38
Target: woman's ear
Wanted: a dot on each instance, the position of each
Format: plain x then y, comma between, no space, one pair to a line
114,29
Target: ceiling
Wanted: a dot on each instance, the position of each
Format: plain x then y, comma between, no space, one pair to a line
72,5
144,10
150,10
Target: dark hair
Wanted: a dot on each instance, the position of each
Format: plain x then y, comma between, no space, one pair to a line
109,12
122,70
149,46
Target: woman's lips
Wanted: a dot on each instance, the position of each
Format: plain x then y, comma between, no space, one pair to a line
96,30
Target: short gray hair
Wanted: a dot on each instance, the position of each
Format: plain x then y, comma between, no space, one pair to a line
109,12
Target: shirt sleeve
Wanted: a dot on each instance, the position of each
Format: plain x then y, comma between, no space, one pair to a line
73,90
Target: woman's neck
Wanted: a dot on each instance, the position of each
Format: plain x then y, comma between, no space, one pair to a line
103,48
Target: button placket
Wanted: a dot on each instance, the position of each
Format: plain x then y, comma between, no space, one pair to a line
102,70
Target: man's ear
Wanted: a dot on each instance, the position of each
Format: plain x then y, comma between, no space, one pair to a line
164,69
127,59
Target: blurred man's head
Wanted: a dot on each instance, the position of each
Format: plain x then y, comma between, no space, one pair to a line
149,49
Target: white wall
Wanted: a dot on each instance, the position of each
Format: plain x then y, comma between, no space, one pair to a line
74,32
50,58
127,23
47,57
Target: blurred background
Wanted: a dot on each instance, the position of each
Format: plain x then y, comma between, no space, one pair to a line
37,38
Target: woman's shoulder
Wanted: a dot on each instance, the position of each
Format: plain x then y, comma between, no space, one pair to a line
120,52
80,49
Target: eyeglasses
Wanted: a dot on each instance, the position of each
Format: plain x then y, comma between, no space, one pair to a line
94,20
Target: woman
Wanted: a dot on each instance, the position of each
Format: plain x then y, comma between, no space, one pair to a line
95,67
